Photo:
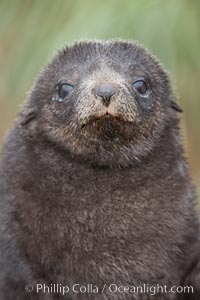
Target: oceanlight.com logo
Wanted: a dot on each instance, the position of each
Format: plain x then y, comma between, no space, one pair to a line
106,289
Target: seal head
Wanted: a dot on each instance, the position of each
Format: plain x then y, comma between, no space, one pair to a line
104,102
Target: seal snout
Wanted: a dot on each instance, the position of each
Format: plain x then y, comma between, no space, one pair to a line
106,91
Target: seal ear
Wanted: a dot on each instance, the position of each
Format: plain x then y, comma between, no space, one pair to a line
176,107
28,116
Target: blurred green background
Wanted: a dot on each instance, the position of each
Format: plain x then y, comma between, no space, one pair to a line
31,32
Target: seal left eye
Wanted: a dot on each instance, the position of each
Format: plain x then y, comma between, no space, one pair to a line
65,90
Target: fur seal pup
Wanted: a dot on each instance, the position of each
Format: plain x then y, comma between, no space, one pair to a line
94,185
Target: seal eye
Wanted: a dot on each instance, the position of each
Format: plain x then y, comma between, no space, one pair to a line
65,90
141,87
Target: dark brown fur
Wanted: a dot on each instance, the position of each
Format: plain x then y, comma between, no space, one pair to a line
89,197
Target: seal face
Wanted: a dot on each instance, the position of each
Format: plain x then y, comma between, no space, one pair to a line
104,102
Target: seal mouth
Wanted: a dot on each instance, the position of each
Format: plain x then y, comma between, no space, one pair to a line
104,119
107,128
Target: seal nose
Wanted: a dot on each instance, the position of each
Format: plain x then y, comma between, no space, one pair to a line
106,91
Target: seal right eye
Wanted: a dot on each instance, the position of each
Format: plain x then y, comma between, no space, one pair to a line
65,90
141,87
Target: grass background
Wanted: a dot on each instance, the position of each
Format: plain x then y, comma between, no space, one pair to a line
31,32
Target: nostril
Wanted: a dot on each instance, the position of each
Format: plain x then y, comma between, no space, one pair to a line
106,91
